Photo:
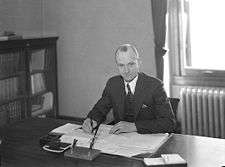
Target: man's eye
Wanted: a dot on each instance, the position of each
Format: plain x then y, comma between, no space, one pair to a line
131,64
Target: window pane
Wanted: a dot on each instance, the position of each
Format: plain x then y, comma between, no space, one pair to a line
207,32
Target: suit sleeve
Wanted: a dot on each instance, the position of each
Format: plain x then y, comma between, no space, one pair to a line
102,107
164,121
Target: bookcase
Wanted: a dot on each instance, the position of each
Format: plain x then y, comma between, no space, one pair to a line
28,79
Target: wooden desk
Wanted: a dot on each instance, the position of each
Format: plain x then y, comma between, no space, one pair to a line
20,147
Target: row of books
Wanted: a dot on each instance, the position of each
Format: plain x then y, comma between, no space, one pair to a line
8,88
12,111
9,62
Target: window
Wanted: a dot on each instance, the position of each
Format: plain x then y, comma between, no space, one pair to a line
207,34
202,33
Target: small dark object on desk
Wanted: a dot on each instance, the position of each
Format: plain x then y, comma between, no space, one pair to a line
54,145
49,138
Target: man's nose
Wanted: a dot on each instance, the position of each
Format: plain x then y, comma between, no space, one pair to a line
126,69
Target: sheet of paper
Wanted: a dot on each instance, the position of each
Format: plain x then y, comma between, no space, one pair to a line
165,159
146,141
154,161
173,159
125,144
67,128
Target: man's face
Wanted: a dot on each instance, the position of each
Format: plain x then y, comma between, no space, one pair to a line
128,64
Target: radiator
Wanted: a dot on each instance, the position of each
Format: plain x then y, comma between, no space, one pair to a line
203,111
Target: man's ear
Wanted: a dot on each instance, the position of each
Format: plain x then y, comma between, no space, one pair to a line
139,63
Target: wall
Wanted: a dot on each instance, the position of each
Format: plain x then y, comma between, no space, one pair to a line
22,16
89,31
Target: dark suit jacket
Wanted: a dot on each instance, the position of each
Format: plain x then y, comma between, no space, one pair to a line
153,113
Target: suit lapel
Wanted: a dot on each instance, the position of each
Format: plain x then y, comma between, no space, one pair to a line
121,98
139,94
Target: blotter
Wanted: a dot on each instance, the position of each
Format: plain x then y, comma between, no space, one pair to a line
82,153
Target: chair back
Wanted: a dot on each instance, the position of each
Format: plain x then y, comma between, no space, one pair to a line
174,105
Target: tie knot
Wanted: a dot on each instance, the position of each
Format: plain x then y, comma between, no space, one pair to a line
128,88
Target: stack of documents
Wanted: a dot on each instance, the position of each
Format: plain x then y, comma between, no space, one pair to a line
124,144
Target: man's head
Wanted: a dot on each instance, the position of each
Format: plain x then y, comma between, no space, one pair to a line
127,60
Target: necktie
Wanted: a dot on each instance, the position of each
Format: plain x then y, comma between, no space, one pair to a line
129,105
130,96
129,90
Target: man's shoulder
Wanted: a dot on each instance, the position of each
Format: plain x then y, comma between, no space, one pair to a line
150,78
115,78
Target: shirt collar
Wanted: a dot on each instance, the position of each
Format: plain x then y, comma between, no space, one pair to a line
132,84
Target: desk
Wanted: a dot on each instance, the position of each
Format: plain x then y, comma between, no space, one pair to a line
20,147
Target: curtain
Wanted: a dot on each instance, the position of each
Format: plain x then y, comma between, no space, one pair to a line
159,9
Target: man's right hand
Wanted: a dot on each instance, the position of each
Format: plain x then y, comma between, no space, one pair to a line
88,126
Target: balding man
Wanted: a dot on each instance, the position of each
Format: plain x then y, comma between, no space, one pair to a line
139,101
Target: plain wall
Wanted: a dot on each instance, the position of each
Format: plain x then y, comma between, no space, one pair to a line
22,16
89,32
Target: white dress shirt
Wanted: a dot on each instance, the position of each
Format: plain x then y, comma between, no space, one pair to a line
132,85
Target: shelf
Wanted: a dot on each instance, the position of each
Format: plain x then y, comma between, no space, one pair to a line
16,74
40,71
3,102
40,112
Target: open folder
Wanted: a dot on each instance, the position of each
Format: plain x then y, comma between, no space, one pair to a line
124,144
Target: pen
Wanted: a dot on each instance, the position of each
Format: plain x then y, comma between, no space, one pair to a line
94,138
92,129
73,145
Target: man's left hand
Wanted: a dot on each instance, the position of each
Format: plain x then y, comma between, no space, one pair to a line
122,127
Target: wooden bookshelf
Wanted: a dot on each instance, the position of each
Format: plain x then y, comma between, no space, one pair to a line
28,79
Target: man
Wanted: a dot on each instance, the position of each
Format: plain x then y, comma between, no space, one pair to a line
139,102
